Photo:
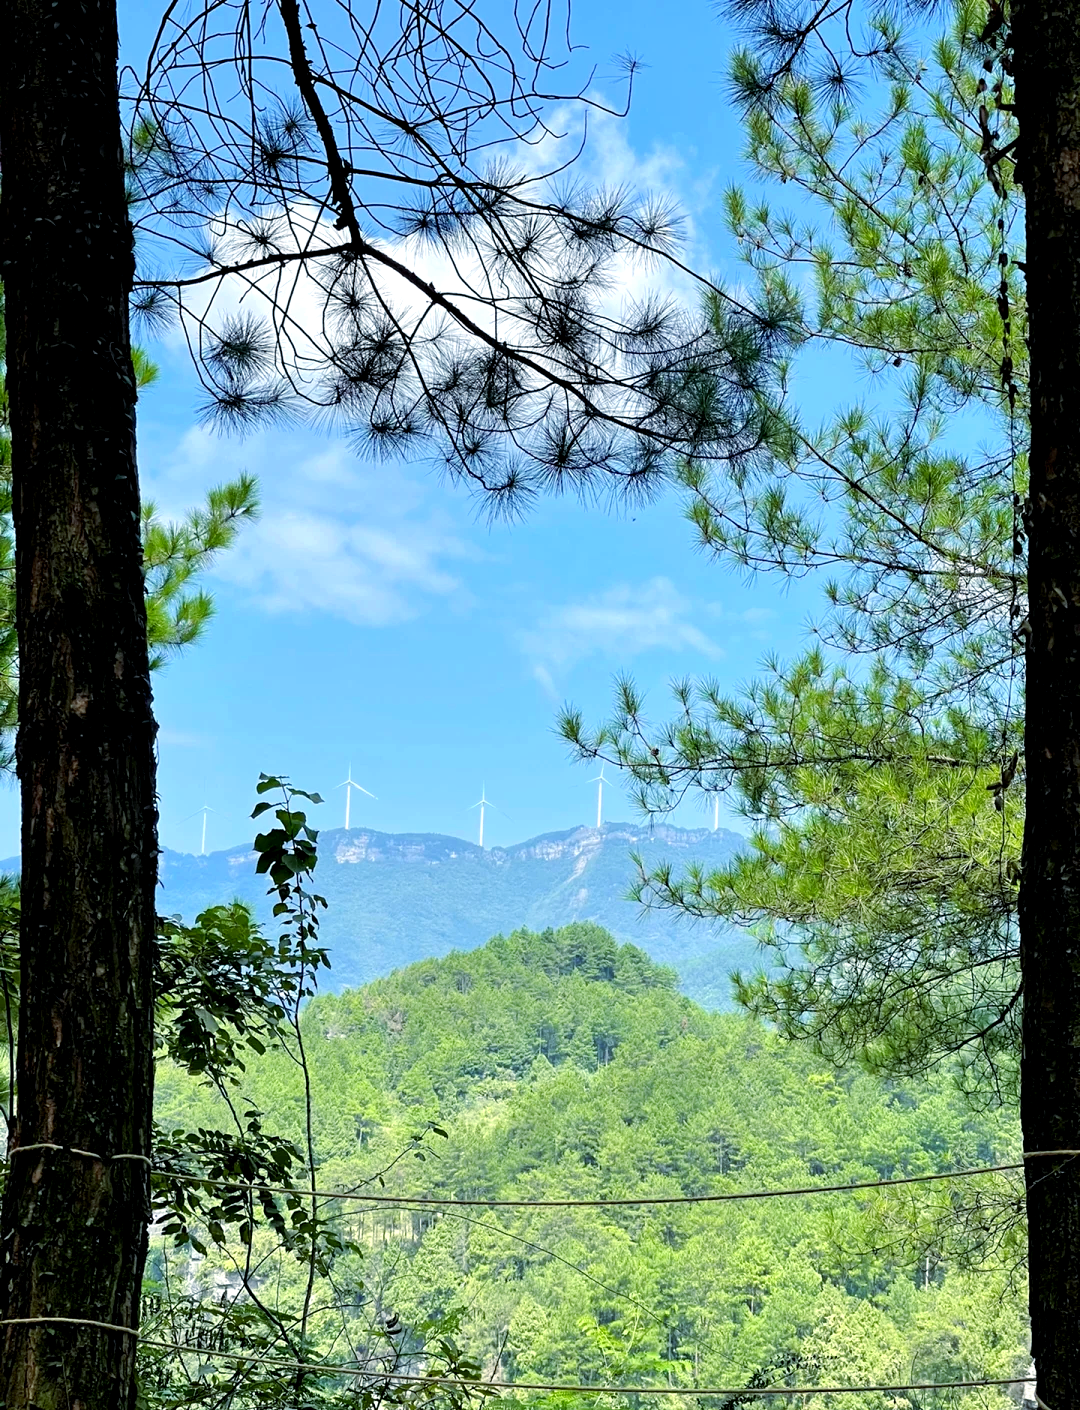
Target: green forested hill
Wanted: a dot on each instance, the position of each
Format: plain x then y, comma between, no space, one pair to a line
565,1066
399,897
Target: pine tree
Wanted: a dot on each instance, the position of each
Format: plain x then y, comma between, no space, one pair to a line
891,794
74,1224
175,555
460,305
884,768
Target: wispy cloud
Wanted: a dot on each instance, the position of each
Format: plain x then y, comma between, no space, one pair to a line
620,623
300,559
181,739
543,677
372,544
360,541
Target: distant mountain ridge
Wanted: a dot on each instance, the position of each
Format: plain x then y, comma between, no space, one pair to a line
395,898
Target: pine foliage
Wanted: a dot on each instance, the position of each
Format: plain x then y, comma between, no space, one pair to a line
369,221
884,769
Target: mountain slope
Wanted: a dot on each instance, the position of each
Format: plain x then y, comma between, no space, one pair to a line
400,897
560,1067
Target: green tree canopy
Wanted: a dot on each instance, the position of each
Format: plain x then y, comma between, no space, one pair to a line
883,771
564,1066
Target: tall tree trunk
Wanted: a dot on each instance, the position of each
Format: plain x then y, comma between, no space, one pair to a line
74,1225
1046,45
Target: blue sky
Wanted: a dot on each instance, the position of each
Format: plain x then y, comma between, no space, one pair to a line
370,617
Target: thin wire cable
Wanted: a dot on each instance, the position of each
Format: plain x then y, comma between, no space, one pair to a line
410,1201
397,1378
558,1258
284,1363
492,1385
75,1150
67,1322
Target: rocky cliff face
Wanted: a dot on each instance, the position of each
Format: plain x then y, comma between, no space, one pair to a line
364,845
428,848
398,897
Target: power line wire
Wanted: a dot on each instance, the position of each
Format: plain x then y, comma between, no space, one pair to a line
411,1201
283,1363
398,1378
558,1258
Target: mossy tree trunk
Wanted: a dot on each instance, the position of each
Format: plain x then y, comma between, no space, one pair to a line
74,1227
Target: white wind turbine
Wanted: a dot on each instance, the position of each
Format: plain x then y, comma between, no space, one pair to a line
483,804
204,810
599,780
716,813
349,784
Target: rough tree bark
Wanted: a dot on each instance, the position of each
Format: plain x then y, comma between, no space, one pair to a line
74,1226
1046,48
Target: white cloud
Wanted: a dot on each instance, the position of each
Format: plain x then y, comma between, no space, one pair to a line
295,303
547,685
621,622
755,616
300,559
337,535
752,617
362,541
180,739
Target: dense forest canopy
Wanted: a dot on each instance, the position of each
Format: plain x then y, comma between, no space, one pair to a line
565,1066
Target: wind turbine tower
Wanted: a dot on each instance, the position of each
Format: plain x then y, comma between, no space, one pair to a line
204,810
716,813
349,784
484,803
599,780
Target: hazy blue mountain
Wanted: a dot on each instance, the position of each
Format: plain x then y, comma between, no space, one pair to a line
400,897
